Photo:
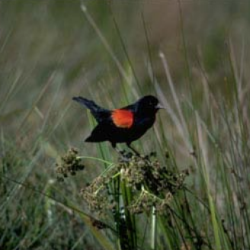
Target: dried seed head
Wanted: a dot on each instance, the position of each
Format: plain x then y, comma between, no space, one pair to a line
69,164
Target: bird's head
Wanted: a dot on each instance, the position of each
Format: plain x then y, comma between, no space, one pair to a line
149,104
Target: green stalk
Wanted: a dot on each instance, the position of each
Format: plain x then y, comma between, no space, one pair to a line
153,229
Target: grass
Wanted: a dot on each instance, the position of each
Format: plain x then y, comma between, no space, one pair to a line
193,194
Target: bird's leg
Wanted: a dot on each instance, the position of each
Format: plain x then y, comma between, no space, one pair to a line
138,154
123,155
135,151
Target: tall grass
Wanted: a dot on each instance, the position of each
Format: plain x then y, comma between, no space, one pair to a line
191,194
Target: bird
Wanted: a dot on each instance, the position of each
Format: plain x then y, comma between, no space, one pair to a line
122,125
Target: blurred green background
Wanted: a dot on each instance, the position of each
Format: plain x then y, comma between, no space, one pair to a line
53,41
52,50
44,41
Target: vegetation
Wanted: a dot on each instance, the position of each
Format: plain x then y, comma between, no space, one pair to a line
189,187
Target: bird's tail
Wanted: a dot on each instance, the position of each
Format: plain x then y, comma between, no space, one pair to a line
98,112
87,103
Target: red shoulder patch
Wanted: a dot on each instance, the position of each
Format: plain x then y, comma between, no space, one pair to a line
122,118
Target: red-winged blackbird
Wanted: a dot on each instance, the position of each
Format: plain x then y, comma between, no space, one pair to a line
123,125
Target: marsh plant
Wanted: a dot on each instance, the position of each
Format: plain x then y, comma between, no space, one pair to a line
136,189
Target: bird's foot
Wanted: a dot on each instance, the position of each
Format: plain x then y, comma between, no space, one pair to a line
124,156
128,156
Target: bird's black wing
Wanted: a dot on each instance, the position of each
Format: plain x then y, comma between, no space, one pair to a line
98,112
98,134
130,107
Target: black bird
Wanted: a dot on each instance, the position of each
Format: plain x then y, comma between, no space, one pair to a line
123,125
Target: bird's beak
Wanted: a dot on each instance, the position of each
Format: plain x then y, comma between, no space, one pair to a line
159,106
